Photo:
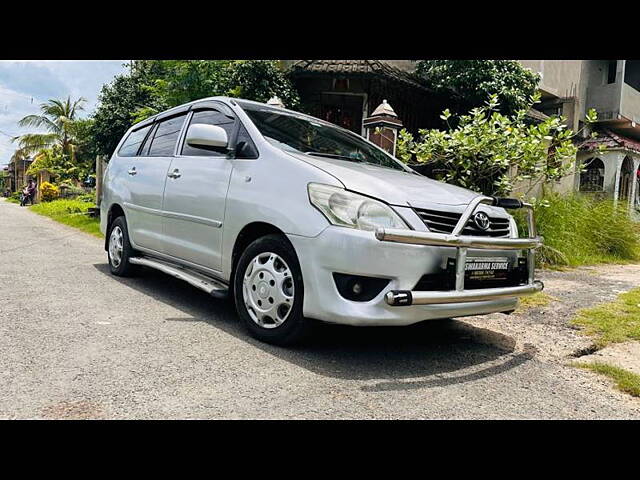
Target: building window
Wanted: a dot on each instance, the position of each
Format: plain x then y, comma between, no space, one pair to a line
592,178
611,73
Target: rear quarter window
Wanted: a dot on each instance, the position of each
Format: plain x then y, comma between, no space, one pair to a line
132,144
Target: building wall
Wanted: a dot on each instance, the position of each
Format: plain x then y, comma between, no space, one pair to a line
560,78
630,103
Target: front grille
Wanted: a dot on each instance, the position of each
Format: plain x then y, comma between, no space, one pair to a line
444,222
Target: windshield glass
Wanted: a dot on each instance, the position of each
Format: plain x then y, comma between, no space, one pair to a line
299,134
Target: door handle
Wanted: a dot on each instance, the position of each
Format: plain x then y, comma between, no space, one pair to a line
132,171
175,174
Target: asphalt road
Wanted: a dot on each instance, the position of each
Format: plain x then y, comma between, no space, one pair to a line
76,342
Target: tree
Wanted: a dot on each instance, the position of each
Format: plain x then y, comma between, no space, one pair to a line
472,81
489,152
152,86
260,80
118,103
57,118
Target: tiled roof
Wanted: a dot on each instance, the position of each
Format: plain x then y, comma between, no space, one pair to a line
357,67
610,140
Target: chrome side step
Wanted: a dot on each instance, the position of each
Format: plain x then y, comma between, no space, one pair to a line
210,285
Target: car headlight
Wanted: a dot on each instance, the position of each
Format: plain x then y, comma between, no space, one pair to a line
348,209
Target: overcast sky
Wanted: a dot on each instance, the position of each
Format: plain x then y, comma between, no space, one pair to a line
24,85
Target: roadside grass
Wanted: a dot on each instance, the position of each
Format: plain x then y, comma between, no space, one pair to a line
70,212
12,200
539,299
583,229
625,380
612,322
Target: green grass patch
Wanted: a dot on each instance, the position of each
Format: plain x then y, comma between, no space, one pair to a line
13,200
70,212
583,229
625,380
613,322
539,299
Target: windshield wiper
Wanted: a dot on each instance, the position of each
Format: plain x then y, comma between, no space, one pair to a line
333,155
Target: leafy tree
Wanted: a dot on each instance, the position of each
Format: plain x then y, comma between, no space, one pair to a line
57,118
489,152
472,81
260,80
118,103
152,86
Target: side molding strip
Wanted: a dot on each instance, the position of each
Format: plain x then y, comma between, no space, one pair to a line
179,216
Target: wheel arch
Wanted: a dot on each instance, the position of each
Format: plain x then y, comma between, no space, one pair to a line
115,211
248,234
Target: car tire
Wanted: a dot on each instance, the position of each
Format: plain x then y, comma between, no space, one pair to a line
269,292
119,249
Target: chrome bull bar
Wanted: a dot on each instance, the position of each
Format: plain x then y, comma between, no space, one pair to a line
463,242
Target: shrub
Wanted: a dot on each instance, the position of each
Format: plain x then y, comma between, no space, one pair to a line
489,152
14,197
87,197
582,230
49,191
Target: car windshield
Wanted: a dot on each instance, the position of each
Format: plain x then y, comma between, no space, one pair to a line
300,134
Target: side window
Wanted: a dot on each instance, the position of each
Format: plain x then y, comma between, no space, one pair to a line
131,145
245,148
209,117
165,137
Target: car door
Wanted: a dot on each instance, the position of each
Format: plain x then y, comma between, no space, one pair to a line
195,193
148,174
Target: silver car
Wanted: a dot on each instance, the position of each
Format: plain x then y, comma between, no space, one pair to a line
298,219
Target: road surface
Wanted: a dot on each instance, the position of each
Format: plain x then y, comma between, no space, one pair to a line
77,342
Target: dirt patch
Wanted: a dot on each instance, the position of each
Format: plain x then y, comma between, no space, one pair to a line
622,355
549,327
80,410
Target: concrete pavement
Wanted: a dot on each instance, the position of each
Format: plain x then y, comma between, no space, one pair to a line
76,342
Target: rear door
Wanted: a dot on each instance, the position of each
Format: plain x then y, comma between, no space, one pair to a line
144,179
195,193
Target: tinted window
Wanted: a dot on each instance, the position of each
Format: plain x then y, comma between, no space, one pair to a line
245,148
131,145
209,117
301,134
166,136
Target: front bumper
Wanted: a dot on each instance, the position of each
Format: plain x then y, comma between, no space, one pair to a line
356,252
462,243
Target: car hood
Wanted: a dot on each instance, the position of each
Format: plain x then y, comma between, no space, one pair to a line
391,186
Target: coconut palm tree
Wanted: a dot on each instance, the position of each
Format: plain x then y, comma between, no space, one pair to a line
57,118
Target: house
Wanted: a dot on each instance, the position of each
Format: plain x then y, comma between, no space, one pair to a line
16,177
611,87
346,92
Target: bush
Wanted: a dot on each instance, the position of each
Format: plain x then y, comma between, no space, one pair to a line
49,191
583,230
14,197
489,152
87,197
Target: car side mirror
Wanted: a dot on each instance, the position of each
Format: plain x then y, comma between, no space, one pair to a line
202,135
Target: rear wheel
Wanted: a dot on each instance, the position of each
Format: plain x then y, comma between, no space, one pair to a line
119,249
269,291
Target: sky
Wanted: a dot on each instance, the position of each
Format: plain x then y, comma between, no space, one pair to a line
24,85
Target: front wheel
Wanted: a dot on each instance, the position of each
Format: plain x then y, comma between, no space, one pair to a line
269,291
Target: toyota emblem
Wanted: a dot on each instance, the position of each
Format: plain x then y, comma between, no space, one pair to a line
481,220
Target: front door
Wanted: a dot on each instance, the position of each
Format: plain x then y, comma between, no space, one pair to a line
195,195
